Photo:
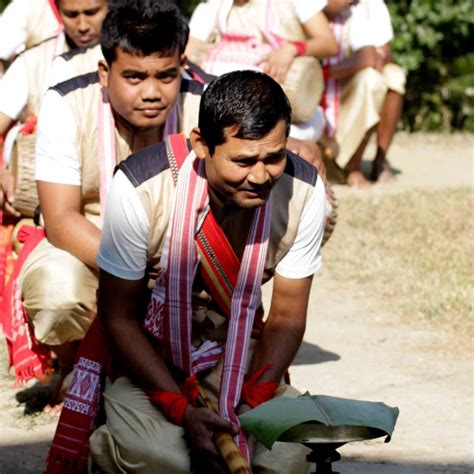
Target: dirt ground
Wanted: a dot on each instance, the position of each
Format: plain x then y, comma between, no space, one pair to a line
354,347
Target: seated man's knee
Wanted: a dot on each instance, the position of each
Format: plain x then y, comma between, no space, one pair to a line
395,78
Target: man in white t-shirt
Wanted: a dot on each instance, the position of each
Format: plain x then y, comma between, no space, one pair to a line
86,126
370,87
26,80
252,211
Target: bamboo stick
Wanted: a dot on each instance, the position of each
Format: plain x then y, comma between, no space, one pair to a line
226,446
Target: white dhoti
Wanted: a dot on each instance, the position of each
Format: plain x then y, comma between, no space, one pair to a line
59,294
138,438
362,98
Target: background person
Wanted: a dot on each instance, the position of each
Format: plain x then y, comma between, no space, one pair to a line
364,86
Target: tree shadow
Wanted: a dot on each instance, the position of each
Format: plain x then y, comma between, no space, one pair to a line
313,354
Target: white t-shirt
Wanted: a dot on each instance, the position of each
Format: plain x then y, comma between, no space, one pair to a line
370,25
57,155
203,19
13,28
14,89
123,246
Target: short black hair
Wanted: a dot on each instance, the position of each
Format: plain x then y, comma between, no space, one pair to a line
143,27
250,100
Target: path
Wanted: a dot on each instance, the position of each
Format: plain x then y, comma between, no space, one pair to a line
353,349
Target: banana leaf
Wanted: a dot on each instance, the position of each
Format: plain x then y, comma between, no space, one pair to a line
270,420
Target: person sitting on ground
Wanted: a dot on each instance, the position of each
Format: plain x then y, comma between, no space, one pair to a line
87,125
27,79
276,33
366,83
25,23
205,229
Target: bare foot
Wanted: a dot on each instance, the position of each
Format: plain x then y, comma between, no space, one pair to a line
356,179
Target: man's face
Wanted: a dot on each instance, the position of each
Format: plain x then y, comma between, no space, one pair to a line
143,89
242,172
82,20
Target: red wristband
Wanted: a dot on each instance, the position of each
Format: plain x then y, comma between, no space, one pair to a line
253,393
300,47
173,404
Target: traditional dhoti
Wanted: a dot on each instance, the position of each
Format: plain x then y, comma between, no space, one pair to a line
138,438
362,98
59,294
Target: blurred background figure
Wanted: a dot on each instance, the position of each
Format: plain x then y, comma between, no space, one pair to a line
272,36
364,88
23,86
25,23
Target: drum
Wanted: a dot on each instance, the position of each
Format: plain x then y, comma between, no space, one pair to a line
23,170
304,85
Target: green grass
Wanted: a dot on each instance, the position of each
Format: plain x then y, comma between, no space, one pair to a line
414,249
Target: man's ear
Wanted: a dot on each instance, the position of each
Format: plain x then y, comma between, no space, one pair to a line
104,70
199,144
183,59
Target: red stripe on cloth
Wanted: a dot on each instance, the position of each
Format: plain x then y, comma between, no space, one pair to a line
55,11
69,451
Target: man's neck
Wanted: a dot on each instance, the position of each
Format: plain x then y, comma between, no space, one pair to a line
136,137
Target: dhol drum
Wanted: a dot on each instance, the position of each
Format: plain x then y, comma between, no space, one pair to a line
23,170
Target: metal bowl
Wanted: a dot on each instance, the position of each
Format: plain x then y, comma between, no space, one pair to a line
317,433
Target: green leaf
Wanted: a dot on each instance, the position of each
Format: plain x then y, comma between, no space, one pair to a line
269,421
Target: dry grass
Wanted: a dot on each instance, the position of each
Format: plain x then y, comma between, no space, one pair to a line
414,249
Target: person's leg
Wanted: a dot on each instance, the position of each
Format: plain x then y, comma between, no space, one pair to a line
354,175
137,437
389,117
362,97
59,295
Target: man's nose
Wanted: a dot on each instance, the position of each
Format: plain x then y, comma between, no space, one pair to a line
151,90
258,174
82,24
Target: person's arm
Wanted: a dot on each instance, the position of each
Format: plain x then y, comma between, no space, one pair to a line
65,226
58,178
284,328
13,28
321,44
361,59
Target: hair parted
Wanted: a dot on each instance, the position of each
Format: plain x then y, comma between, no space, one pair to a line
250,100
143,27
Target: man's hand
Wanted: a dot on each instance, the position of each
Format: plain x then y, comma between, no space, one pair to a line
277,63
7,192
200,425
310,152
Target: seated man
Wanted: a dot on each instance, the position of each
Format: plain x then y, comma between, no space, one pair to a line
27,79
205,229
364,89
86,126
